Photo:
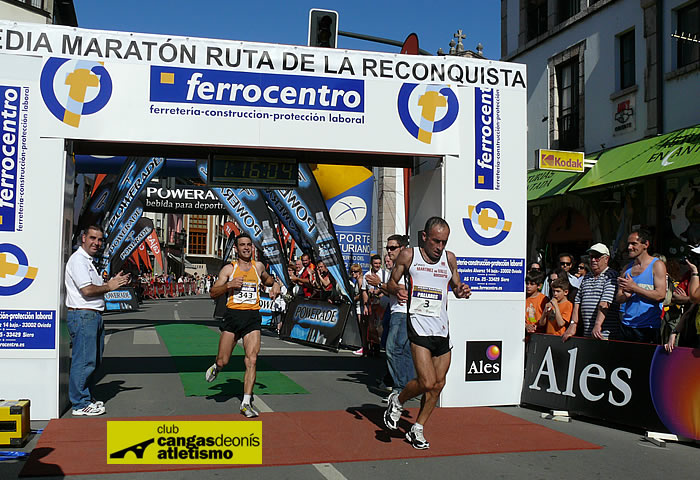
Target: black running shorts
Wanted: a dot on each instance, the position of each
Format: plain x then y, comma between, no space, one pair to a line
437,346
241,322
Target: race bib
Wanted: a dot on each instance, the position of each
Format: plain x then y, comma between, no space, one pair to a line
426,301
248,294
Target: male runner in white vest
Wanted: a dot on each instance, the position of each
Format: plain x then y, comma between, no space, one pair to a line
240,280
430,269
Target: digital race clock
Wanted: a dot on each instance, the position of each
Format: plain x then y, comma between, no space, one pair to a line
242,171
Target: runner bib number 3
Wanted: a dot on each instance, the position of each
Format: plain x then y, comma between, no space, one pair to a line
426,301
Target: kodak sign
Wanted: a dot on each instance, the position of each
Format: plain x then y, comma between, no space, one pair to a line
560,161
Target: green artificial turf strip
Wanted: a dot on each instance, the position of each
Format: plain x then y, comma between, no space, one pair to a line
194,347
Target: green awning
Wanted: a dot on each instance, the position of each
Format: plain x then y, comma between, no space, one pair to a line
665,153
546,183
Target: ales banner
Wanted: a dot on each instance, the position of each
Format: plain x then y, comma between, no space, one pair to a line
633,384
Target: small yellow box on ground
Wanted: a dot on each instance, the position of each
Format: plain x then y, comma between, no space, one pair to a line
14,422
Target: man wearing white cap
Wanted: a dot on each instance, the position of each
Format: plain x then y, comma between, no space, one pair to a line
594,306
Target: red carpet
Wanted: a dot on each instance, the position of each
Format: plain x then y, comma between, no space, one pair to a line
78,446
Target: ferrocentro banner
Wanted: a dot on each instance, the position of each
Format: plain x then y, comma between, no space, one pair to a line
64,84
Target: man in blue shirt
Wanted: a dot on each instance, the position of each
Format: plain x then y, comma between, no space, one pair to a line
641,292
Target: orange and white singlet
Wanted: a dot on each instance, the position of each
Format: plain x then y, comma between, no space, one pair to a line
248,297
428,295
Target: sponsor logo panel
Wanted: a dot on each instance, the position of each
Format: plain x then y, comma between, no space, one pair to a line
492,274
27,329
486,223
561,161
483,361
316,315
487,139
73,88
221,87
184,442
425,110
16,274
10,135
348,211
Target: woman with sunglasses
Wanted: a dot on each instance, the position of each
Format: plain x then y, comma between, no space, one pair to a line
582,269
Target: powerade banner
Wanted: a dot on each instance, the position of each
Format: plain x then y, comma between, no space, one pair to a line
117,238
634,384
316,323
131,183
122,300
347,191
95,208
192,200
266,311
248,208
137,235
300,211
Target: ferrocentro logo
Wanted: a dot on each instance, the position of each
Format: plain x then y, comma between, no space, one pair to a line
73,88
486,223
348,211
427,109
14,269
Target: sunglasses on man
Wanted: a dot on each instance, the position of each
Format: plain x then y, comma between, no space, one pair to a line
391,248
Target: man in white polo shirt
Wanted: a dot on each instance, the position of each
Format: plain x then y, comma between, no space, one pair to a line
84,298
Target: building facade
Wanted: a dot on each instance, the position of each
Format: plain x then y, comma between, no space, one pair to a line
614,79
60,12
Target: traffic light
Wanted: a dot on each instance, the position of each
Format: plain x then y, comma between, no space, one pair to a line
323,28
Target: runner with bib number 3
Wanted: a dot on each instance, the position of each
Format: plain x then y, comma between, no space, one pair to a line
430,269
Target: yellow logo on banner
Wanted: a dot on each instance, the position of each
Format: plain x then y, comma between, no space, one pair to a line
561,161
184,442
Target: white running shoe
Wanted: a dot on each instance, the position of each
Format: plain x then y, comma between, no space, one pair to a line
91,410
392,414
248,410
416,439
212,372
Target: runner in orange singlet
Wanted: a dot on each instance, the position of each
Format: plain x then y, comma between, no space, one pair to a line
240,280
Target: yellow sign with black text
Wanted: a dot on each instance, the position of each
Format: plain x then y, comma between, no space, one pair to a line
560,160
184,442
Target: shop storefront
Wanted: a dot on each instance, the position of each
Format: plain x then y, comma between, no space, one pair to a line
653,182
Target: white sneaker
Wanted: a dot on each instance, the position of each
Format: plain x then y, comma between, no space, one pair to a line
212,372
248,410
91,410
392,414
416,439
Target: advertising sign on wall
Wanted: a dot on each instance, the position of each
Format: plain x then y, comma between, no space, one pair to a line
634,384
316,322
560,160
624,115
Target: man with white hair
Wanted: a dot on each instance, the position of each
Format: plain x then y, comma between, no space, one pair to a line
595,305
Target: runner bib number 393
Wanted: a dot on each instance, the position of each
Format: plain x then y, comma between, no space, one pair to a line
426,301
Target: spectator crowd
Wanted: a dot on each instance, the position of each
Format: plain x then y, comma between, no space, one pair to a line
648,299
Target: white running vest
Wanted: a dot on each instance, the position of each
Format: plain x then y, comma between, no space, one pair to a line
428,295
